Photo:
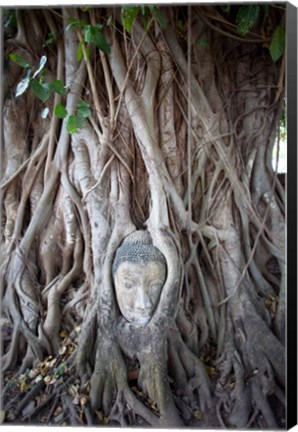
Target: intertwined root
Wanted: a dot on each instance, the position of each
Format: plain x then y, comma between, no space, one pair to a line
180,147
189,373
252,375
110,391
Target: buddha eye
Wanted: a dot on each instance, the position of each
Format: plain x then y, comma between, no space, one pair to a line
128,285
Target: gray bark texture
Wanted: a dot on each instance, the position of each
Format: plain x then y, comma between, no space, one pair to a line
180,116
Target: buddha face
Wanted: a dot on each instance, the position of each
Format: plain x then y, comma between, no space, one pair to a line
138,287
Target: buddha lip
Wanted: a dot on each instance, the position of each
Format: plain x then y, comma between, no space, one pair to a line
142,315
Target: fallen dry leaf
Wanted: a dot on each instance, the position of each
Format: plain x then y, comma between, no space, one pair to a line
198,414
83,400
58,411
34,373
62,350
211,371
47,379
76,400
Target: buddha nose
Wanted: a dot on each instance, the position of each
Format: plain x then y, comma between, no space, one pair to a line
143,300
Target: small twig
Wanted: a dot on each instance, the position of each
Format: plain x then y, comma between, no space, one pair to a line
125,82
92,82
52,409
57,98
230,35
100,178
108,81
31,160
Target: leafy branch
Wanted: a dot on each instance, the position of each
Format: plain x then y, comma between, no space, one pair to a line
248,16
130,13
44,90
92,34
74,121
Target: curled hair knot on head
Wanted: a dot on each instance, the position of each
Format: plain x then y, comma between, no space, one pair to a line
137,247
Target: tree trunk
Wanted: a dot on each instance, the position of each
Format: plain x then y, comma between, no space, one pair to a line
167,122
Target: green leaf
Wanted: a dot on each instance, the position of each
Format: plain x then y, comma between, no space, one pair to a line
180,25
98,26
60,111
42,91
73,123
109,20
265,8
21,61
45,112
160,19
278,43
73,22
83,109
59,370
143,9
101,43
58,87
80,51
51,40
202,43
247,17
42,63
22,86
89,32
85,8
129,14
11,21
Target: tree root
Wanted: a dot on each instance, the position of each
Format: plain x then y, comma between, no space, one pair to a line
23,308
118,411
84,354
153,380
82,193
9,360
256,368
108,362
70,407
52,322
242,396
218,414
188,371
110,391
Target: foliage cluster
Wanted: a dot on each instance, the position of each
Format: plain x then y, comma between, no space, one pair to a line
245,18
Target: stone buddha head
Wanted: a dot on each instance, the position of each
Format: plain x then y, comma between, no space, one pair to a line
139,273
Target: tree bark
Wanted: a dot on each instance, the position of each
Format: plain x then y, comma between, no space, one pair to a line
184,113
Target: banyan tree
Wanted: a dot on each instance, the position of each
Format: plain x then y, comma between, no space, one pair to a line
138,140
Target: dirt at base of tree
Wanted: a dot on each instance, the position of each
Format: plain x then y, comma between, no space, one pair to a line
50,394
